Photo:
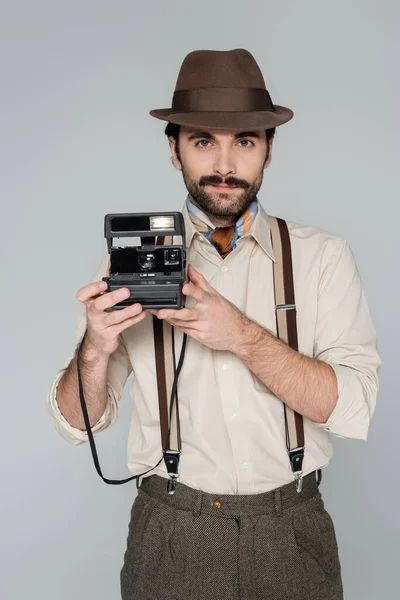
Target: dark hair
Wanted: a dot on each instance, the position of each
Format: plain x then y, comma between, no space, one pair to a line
172,129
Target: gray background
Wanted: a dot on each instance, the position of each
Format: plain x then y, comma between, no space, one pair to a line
77,82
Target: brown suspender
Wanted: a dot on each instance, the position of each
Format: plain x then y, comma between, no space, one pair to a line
285,310
168,371
164,347
286,329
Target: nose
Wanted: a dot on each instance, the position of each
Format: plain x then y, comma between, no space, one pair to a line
224,163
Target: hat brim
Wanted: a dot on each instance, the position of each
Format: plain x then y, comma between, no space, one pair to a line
227,119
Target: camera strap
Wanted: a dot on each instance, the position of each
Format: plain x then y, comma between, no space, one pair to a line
164,346
167,380
168,372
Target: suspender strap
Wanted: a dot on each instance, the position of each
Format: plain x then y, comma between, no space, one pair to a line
286,328
164,346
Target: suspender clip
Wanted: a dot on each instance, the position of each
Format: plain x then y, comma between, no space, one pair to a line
171,459
296,457
285,307
299,481
171,486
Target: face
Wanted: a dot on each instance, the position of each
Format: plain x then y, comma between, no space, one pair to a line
222,170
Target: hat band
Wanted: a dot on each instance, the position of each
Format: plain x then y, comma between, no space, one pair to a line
222,99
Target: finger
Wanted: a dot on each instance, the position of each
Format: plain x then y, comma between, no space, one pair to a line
116,317
129,322
198,279
108,268
90,291
107,300
191,331
190,289
184,314
183,325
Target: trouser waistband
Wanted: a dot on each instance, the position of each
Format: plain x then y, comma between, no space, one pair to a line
226,505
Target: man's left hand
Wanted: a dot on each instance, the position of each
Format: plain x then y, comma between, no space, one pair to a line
213,321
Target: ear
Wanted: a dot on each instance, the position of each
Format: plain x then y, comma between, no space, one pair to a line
267,162
175,160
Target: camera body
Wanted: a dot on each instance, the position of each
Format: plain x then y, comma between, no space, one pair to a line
155,270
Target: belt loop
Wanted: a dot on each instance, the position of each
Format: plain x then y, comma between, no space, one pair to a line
197,505
278,501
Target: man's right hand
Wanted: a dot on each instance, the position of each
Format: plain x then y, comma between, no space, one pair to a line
103,324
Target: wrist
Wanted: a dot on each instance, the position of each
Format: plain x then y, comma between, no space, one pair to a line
90,352
244,335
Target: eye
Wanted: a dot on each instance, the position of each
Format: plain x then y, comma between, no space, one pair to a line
203,143
249,141
200,141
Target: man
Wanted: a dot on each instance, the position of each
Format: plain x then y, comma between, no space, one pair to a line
237,525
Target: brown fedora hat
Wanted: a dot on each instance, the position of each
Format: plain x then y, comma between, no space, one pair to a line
222,89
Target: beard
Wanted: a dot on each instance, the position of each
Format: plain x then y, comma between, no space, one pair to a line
228,205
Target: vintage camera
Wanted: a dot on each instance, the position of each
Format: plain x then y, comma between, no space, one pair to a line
154,271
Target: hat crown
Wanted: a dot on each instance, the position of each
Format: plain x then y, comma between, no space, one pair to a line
235,68
222,89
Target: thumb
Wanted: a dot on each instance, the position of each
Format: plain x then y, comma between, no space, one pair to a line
197,278
108,268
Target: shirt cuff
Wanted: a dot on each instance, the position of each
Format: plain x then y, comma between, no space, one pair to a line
74,435
351,416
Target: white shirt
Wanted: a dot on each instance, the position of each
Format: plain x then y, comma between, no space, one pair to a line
232,425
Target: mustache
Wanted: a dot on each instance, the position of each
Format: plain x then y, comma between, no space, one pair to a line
230,181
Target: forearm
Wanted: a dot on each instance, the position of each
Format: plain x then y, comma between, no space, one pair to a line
307,385
93,368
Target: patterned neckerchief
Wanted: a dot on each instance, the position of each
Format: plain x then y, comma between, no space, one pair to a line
223,238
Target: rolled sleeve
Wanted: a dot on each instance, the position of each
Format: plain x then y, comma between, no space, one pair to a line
346,339
118,370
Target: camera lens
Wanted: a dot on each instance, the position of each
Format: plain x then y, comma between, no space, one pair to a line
171,257
146,261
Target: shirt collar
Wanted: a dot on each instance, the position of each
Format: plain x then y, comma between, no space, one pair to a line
260,230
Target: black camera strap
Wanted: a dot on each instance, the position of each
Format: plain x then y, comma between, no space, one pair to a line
169,411
168,373
167,382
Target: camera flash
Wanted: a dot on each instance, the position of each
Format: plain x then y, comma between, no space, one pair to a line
162,222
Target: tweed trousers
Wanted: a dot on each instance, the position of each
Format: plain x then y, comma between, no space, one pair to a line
193,545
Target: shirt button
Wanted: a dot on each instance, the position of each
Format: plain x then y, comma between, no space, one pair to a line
217,504
244,464
225,367
234,415
224,269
